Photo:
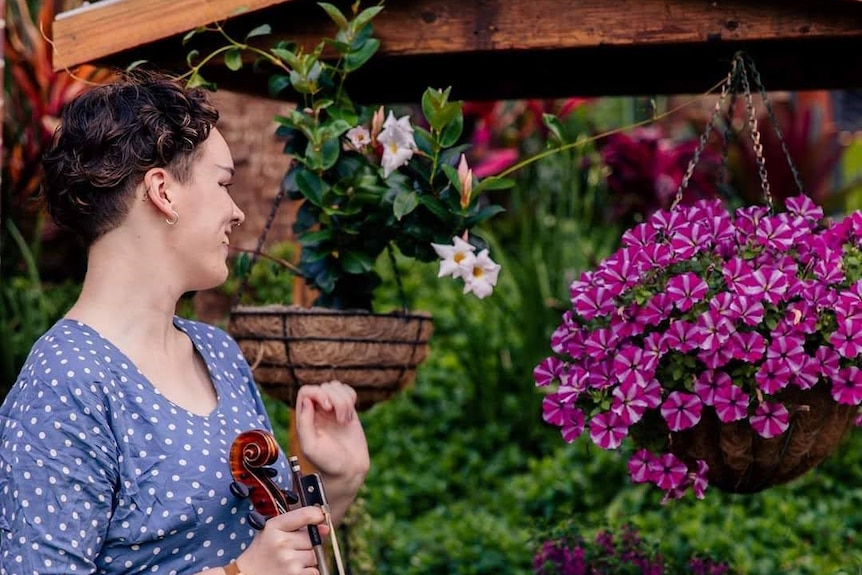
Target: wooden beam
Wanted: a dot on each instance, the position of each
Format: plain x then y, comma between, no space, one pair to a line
516,48
94,31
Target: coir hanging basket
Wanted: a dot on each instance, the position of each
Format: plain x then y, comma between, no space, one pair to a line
290,346
741,461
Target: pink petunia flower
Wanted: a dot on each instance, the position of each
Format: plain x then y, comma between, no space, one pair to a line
641,466
731,403
607,430
669,472
699,479
685,290
770,419
681,410
847,386
708,383
547,371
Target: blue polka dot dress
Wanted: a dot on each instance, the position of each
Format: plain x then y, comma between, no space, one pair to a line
100,473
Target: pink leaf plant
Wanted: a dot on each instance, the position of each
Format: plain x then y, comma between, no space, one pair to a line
701,309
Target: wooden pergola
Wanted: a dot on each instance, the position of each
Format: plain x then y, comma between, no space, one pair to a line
498,49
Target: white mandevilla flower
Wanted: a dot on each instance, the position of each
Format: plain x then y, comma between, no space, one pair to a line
455,260
396,137
359,138
482,277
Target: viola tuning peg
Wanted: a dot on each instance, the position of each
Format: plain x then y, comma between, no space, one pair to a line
292,498
240,490
256,520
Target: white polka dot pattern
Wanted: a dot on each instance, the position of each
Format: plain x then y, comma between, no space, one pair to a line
100,473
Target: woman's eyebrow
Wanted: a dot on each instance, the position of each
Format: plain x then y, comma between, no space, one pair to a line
226,168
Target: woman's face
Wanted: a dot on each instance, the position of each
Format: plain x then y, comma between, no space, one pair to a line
207,215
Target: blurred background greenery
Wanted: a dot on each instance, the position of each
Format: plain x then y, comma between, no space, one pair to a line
466,478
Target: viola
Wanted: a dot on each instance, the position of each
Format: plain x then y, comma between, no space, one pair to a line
252,455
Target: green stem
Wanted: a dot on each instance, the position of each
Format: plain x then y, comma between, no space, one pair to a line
582,142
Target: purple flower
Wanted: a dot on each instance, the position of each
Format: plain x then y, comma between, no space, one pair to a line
708,383
685,290
682,336
804,207
554,408
847,339
629,402
770,419
847,386
715,330
681,410
774,234
593,302
669,472
767,283
748,309
699,480
607,430
828,361
629,366
547,371
773,375
748,346
573,426
731,403
641,466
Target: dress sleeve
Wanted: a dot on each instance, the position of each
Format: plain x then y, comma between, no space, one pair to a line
58,476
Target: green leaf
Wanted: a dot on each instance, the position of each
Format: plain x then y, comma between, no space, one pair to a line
484,214
286,56
335,14
436,207
366,16
452,174
405,202
242,265
317,237
261,30
453,128
328,153
278,83
356,262
355,59
554,126
312,186
494,183
233,59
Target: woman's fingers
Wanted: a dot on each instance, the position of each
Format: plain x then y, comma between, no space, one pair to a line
297,519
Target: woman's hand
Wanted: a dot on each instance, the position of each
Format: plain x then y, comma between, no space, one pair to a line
332,440
283,546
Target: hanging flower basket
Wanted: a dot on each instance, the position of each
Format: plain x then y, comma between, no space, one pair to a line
290,346
727,346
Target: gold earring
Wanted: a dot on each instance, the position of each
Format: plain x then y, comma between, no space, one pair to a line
176,218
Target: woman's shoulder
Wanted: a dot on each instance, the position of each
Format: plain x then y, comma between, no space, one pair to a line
206,333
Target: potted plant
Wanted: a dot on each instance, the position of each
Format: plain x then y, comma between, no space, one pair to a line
371,181
725,345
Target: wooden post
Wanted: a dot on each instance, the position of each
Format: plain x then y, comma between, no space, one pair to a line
2,87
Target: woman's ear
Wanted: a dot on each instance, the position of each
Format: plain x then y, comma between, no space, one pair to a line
156,186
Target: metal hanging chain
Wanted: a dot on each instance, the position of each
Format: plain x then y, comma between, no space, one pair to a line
282,192
758,82
726,138
754,132
719,104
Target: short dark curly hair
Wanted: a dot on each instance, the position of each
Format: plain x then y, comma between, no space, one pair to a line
110,136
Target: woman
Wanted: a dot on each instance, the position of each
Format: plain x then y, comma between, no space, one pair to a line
114,441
